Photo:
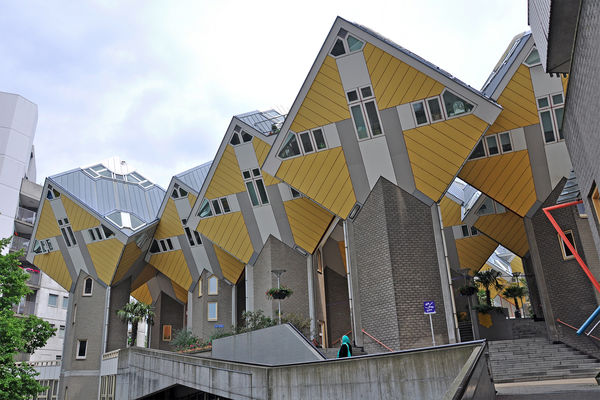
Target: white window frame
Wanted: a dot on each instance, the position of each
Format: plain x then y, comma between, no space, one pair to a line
239,132
470,231
512,146
414,114
63,329
55,296
563,246
45,246
344,40
487,148
362,101
551,107
79,341
253,179
193,236
132,177
52,194
208,317
200,281
457,95
313,141
83,292
164,245
62,304
213,278
67,232
532,65
180,193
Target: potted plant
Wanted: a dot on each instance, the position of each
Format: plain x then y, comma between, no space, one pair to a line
279,293
515,292
133,313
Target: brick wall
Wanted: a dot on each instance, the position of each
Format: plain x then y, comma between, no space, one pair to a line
568,291
398,269
201,326
167,312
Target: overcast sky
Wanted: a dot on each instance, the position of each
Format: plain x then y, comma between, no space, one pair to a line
157,82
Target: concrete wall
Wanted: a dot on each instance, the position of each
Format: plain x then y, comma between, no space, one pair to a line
201,326
278,344
395,254
117,334
419,374
81,376
167,311
565,291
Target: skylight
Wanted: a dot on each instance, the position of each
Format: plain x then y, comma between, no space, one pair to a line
125,220
100,170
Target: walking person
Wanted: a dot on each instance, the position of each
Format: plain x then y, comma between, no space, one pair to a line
346,348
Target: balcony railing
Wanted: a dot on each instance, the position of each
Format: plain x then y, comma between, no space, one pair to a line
26,216
18,243
26,307
34,278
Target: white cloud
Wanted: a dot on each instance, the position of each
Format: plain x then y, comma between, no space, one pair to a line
158,82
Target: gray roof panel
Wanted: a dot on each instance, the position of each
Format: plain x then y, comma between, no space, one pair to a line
195,177
492,82
570,191
263,121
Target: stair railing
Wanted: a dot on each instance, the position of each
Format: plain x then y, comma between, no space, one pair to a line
345,334
375,339
572,327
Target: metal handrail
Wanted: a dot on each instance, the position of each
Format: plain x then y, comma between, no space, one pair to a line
379,342
572,327
345,334
25,215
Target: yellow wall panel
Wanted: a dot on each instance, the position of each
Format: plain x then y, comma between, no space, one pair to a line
506,178
507,229
227,178
451,212
474,251
518,101
565,83
142,294
78,217
269,180
231,267
180,292
105,256
308,222
54,265
325,102
229,232
130,255
342,247
173,265
394,82
329,181
516,265
437,151
170,224
47,225
261,149
192,199
147,273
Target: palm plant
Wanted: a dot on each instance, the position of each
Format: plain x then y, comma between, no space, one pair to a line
486,280
515,292
135,312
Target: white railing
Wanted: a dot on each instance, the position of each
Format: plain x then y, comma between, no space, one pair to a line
110,354
19,243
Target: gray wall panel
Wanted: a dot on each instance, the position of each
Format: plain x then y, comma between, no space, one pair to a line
250,221
537,158
395,141
354,159
280,215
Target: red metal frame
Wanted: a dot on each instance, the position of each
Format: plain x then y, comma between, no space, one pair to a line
572,327
567,242
372,337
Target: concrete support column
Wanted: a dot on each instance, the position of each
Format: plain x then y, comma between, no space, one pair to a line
117,329
353,286
249,274
311,294
234,306
167,312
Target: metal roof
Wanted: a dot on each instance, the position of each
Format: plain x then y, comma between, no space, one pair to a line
195,177
509,57
104,195
266,122
418,58
570,191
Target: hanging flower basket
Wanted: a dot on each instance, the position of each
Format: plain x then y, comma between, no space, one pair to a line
467,290
279,293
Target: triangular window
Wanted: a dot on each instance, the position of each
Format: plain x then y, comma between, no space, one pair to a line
455,105
290,146
354,44
338,48
533,58
235,139
246,137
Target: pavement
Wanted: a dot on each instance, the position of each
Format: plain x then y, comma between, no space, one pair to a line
570,389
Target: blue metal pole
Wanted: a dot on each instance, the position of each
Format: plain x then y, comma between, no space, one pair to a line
588,321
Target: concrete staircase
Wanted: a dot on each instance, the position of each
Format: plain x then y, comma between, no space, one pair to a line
536,359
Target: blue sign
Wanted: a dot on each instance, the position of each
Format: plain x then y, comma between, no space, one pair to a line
219,325
429,307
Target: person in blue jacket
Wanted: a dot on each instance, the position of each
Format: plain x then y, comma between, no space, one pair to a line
346,348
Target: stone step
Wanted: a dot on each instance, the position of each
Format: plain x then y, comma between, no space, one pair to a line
548,365
541,377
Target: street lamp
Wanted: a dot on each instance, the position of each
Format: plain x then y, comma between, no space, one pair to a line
278,273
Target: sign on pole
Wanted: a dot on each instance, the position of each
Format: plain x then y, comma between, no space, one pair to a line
429,307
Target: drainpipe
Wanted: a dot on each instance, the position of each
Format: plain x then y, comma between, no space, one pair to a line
355,330
454,316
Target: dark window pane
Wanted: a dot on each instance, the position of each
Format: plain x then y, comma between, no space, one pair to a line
71,235
306,143
533,58
88,286
557,99
225,205
256,172
246,174
474,231
352,96
170,244
359,122
182,192
558,113
64,233
237,128
252,193
456,105
107,232
366,92
543,102
505,142
246,137
353,43
216,207
568,252
492,145
91,232
198,238
465,230
295,193
478,152
435,109
290,146
319,139
262,191
547,127
82,348
235,139
163,246
373,118
205,210
338,48
174,194
154,248
189,236
420,114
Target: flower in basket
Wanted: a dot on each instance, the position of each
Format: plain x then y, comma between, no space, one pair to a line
279,293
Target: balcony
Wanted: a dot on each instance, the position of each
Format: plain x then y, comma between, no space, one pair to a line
25,308
25,216
18,243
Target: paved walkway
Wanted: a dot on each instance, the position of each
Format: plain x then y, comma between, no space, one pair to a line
570,389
